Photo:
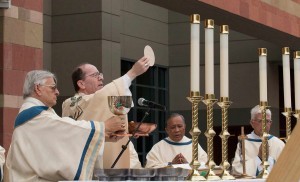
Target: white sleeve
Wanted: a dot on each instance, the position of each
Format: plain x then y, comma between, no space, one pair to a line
127,80
154,159
237,164
271,162
134,158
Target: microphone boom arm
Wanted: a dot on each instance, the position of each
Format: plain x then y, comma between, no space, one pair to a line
124,147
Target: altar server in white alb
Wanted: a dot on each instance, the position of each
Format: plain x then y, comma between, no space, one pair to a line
46,147
253,146
2,160
91,102
176,148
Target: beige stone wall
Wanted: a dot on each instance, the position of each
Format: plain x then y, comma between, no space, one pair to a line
144,24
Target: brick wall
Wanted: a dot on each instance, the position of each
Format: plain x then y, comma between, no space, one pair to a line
21,51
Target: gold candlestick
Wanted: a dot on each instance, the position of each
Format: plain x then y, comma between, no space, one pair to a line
209,101
288,113
242,139
297,115
195,99
264,173
224,104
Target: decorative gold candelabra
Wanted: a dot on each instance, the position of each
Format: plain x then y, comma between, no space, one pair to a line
224,104
297,115
209,101
288,114
264,173
195,99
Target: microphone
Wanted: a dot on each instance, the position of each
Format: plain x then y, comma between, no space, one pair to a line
147,103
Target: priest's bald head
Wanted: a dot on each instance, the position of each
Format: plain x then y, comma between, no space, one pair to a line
175,127
87,79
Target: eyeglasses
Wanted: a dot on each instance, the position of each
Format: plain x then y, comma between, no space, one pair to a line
260,120
52,86
96,75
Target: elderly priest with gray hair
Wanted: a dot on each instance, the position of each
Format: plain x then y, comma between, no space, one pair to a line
253,146
46,147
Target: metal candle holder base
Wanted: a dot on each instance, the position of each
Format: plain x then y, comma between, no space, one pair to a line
195,99
209,101
264,173
297,115
288,114
224,104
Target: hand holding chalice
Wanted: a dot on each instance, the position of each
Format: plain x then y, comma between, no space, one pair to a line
120,106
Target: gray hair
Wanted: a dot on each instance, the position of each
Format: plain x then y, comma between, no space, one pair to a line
256,110
173,115
33,78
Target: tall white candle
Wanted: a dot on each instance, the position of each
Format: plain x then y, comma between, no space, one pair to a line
263,75
297,79
195,52
209,56
286,77
224,80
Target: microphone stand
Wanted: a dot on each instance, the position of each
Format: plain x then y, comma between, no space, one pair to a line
124,147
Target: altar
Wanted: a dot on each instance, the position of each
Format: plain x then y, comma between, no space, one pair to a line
158,174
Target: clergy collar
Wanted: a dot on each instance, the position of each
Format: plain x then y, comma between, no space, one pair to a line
183,141
79,94
256,138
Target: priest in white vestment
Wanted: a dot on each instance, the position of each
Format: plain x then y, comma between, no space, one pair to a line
91,102
253,147
2,160
176,148
46,147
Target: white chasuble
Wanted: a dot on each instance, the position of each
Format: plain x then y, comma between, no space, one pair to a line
46,147
95,107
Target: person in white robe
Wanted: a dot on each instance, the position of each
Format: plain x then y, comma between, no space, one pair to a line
253,147
90,101
176,148
46,147
2,161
